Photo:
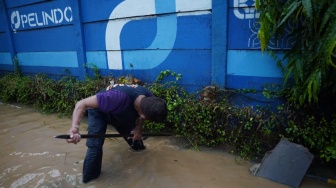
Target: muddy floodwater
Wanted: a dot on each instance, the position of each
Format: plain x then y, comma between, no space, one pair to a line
31,157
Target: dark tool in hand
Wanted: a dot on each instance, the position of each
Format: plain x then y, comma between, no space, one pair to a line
66,136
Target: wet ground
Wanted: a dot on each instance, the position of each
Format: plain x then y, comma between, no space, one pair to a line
31,157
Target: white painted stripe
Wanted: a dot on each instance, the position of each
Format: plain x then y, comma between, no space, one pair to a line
194,13
114,60
133,8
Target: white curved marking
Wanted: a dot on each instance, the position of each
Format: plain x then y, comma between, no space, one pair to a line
163,39
114,27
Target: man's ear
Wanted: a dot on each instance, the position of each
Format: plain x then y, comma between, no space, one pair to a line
142,116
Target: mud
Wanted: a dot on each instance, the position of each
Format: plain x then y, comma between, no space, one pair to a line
31,157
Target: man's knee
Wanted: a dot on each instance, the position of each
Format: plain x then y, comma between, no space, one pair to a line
95,142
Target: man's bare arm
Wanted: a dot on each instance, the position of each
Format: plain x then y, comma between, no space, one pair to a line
81,106
137,131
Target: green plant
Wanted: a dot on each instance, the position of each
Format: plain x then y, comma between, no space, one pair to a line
205,118
95,69
17,70
310,69
45,93
167,89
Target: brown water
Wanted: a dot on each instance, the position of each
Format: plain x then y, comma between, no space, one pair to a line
31,157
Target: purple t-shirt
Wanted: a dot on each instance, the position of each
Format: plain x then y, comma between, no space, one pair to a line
120,97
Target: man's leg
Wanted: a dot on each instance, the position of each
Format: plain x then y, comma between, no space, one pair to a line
94,155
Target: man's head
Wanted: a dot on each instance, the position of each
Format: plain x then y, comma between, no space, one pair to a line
154,108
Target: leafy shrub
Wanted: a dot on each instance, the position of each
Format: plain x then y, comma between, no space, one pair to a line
309,73
204,118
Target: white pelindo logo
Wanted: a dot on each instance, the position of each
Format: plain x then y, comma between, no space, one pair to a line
242,10
35,19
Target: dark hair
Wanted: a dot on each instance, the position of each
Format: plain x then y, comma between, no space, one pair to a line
154,108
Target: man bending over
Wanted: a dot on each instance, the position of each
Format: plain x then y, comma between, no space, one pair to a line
123,106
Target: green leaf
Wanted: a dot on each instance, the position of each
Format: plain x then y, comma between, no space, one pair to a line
264,34
257,4
269,17
307,5
292,6
327,16
309,89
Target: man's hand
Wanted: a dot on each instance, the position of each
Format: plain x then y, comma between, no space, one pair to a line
137,131
136,134
74,135
137,143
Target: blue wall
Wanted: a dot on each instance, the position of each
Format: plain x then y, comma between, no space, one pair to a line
207,41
